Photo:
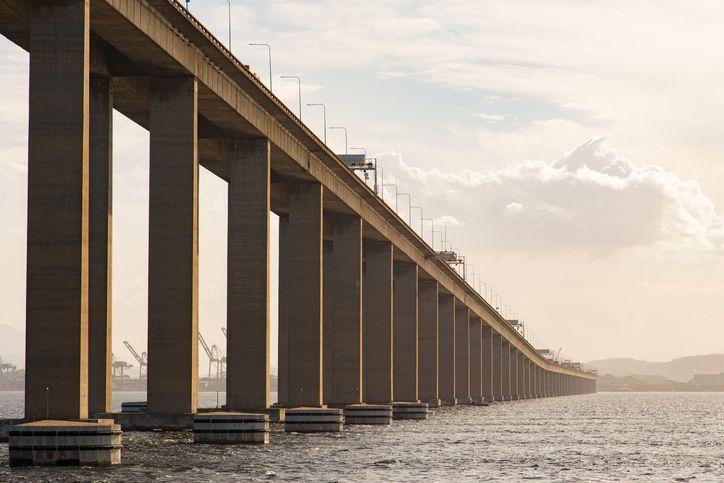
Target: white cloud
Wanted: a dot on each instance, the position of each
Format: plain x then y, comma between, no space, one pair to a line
491,118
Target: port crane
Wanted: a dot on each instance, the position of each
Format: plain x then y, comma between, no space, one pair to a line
142,359
119,368
215,357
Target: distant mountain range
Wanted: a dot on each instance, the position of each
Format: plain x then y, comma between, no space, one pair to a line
681,369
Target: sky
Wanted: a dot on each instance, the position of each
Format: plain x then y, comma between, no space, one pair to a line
574,149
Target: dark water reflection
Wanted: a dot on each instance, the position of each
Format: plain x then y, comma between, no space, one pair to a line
608,436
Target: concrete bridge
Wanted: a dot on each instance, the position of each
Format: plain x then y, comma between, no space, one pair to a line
368,312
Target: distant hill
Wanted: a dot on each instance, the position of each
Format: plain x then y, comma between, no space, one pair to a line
12,345
681,369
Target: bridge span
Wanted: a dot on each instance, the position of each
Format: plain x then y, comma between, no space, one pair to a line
368,311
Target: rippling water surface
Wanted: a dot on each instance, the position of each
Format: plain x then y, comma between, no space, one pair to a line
607,436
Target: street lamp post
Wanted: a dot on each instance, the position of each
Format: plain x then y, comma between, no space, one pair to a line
324,117
346,149
271,87
299,86
409,210
229,3
417,208
383,194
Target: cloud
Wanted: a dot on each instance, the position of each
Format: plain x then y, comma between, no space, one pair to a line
592,199
491,118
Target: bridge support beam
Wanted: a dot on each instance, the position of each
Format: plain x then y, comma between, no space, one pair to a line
487,353
99,241
377,328
283,312
446,367
476,360
505,369
428,340
173,255
462,354
247,317
514,389
305,295
57,238
521,375
497,367
347,303
405,332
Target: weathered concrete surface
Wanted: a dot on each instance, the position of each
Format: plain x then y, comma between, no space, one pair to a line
327,318
505,368
446,349
377,326
305,295
100,243
522,394
57,254
173,255
247,293
514,390
476,360
462,354
428,340
283,321
405,332
487,350
497,367
347,320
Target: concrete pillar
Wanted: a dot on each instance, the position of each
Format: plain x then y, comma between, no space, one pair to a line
521,376
505,369
462,354
247,277
405,332
283,312
173,255
305,295
446,348
497,367
476,360
327,319
487,350
377,326
57,240
530,378
514,391
347,319
99,245
427,360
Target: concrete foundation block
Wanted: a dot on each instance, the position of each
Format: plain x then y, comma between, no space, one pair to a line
449,402
313,420
65,443
380,414
134,407
231,428
433,403
141,421
409,410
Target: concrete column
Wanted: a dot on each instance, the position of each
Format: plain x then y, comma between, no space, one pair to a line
521,376
476,360
514,390
497,367
505,369
446,348
377,326
347,319
57,240
173,255
327,320
100,240
539,381
529,378
427,359
283,312
462,354
487,350
305,295
405,332
247,277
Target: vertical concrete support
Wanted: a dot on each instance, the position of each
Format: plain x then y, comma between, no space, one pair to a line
505,369
283,312
247,277
446,348
539,381
347,319
405,332
497,367
327,320
427,360
487,350
476,360
514,391
173,255
377,326
529,378
99,241
462,354
57,242
305,295
521,376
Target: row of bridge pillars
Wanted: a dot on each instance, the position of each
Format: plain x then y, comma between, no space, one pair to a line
356,323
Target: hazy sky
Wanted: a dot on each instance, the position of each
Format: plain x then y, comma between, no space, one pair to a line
574,146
